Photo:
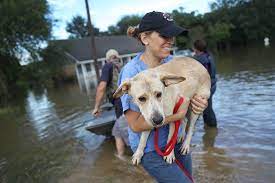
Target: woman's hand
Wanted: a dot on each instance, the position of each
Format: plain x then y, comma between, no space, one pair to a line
198,104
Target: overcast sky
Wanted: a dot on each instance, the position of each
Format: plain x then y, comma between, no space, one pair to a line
108,12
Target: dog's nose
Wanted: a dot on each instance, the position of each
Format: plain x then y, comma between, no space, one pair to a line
157,119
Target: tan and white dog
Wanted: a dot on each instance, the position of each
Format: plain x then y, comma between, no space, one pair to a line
156,91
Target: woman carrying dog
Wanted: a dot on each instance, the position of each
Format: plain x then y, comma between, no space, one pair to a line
156,32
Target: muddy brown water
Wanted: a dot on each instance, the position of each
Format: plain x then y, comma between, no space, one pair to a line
42,137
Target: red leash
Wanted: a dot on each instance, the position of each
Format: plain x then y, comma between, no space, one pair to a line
171,144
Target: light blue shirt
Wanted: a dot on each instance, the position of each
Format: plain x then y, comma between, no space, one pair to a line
132,68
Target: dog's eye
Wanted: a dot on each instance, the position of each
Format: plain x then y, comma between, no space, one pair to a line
158,95
142,99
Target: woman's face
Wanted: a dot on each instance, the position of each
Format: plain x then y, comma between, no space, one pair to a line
159,46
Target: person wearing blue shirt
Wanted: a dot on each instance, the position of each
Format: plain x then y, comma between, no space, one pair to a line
202,55
156,32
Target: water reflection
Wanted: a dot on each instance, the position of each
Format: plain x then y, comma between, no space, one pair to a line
87,84
107,168
209,138
215,158
41,113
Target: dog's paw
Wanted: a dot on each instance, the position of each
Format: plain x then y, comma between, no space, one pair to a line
137,157
170,158
185,148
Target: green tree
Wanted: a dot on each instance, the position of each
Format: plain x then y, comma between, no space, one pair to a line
114,30
252,20
54,59
24,25
122,25
219,33
78,28
195,25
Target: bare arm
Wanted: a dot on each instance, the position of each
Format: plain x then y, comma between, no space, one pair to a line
100,91
136,121
138,124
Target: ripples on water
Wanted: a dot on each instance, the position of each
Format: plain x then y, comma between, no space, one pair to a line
43,140
243,147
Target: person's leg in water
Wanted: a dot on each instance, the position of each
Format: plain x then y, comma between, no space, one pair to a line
120,147
120,133
209,116
118,129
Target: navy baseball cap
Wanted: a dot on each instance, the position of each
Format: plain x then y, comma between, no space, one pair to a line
162,23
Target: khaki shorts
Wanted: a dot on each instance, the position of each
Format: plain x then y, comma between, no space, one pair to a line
120,129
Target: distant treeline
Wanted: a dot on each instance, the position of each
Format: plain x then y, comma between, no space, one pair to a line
25,25
230,22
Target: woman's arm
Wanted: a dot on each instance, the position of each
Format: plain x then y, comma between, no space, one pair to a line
136,121
138,124
100,91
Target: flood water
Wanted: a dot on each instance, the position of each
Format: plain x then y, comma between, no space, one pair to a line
42,137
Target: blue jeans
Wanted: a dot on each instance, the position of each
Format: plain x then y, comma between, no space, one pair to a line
163,172
209,116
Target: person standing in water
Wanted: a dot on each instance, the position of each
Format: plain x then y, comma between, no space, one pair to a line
156,32
202,55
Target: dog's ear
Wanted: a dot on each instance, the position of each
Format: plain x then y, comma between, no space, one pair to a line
123,88
169,79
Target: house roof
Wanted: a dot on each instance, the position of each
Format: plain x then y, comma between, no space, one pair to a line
81,48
